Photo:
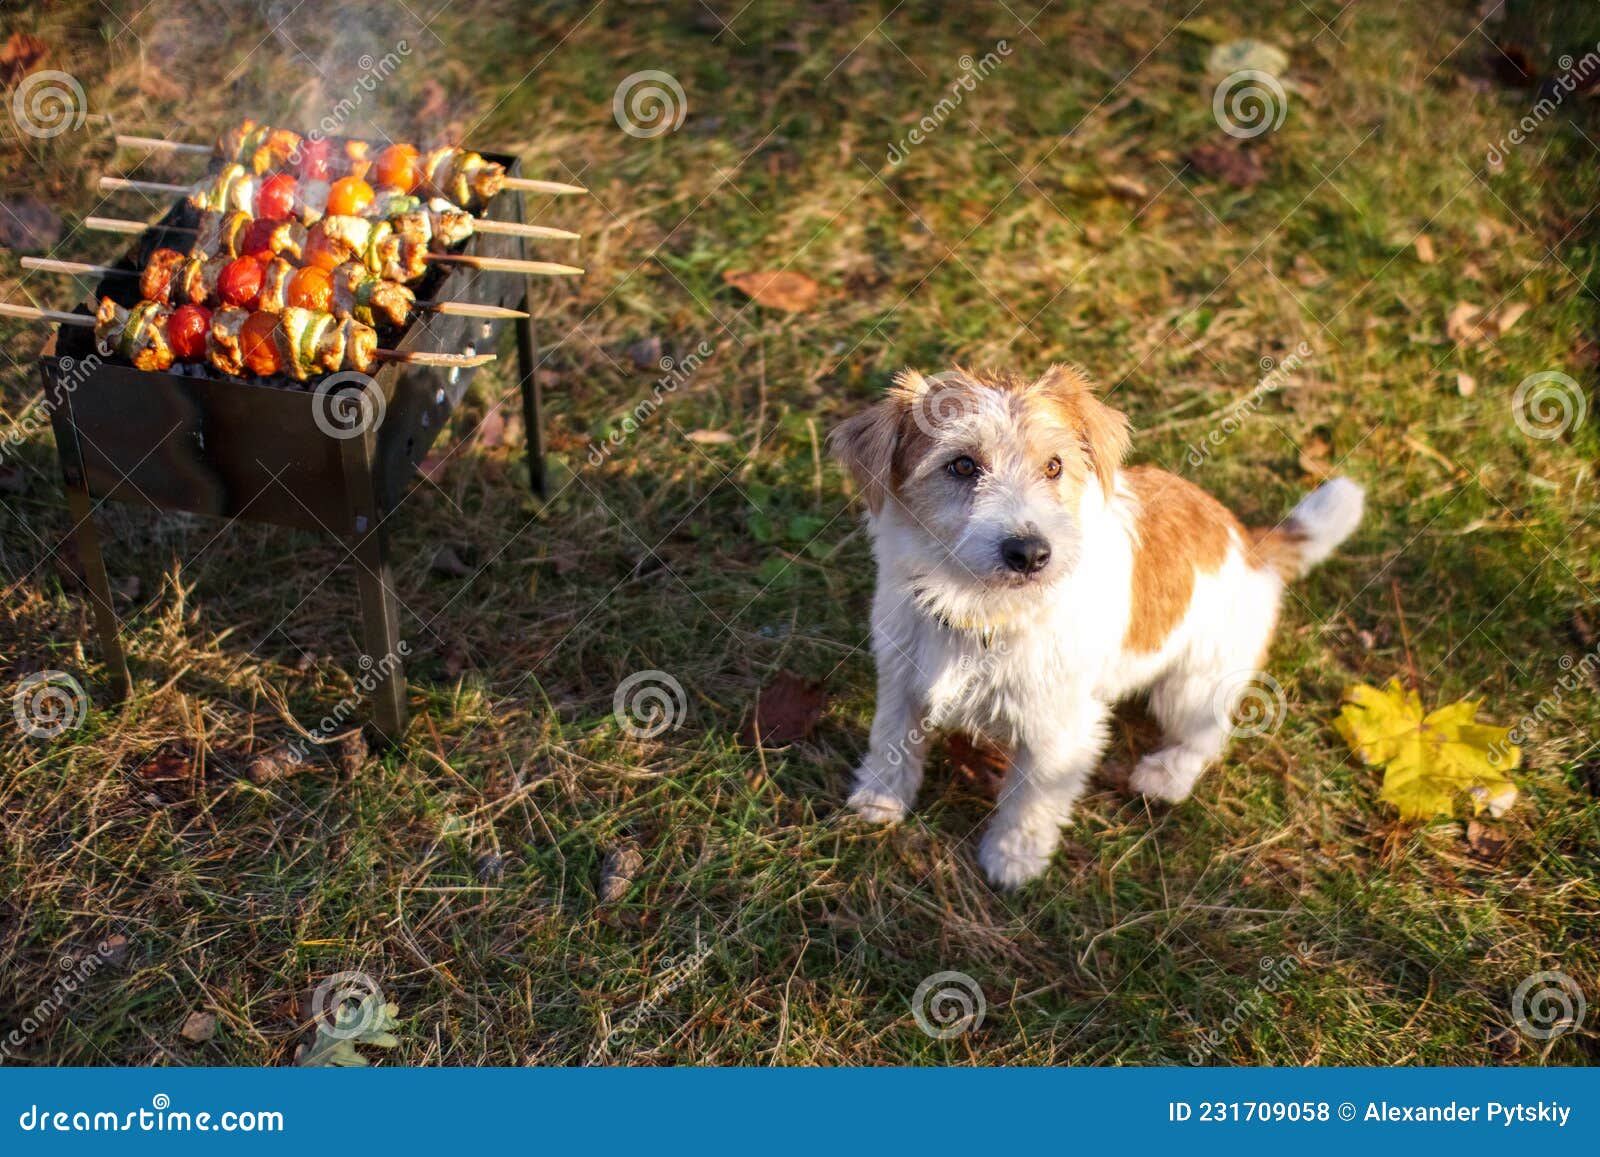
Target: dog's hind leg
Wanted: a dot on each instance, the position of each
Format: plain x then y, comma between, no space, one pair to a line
1048,774
1194,729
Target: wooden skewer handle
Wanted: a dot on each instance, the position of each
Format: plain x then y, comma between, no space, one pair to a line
123,184
504,264
464,309
162,145
514,229
421,358
34,313
530,185
52,265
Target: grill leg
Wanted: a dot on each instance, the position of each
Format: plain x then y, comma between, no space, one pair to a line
94,569
380,612
532,402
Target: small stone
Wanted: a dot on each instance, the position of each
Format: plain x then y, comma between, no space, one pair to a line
199,1027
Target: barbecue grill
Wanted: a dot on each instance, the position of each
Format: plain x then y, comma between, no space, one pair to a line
314,459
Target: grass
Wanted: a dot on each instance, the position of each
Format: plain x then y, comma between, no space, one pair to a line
1052,216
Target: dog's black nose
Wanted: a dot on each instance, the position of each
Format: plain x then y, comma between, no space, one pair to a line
1025,553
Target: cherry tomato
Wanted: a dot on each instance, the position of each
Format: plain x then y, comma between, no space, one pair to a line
257,345
186,332
240,282
256,239
321,252
314,154
276,198
310,288
397,168
349,197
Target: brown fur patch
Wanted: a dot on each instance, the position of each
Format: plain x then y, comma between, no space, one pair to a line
1104,430
1277,548
1182,531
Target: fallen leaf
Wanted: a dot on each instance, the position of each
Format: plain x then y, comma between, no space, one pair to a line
199,1027
620,868
1316,455
1466,384
28,225
1469,324
1424,247
169,764
1507,315
787,709
1239,167
21,52
1130,188
366,1023
1247,55
1486,843
1429,760
710,437
646,353
780,289
982,763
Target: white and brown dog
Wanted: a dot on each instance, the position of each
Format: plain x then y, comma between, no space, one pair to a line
1027,582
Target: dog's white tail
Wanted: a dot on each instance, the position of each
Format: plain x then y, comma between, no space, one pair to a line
1314,529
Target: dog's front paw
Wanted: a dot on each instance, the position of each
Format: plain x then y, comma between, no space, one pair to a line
1165,775
876,806
1010,857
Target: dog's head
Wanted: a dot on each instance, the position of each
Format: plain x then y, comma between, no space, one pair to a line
988,479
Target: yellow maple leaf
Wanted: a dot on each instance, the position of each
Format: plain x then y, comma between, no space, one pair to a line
1429,760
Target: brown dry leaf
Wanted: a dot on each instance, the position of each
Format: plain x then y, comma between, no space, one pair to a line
786,710
710,437
1130,188
1424,247
169,764
21,52
1470,324
1239,167
1466,385
198,1027
622,865
973,759
1316,454
778,289
1484,842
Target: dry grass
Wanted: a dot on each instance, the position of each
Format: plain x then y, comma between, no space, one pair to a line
1053,216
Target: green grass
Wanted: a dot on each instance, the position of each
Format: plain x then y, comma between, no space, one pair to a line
1003,241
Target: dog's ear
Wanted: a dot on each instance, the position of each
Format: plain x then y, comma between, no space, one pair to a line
1104,430
870,445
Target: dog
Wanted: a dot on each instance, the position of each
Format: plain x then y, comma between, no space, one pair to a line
1027,581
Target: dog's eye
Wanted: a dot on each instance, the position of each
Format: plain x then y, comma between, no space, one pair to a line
1052,468
963,467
